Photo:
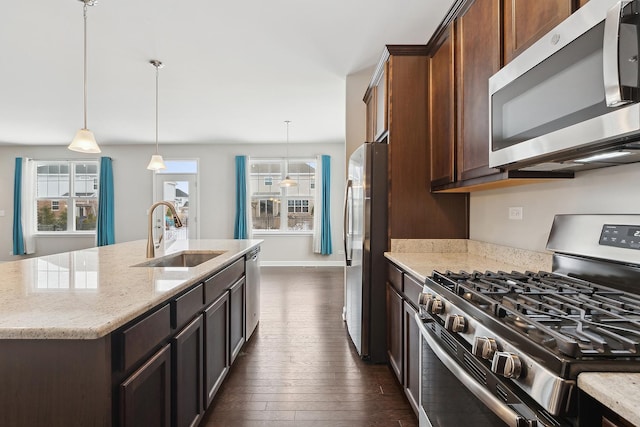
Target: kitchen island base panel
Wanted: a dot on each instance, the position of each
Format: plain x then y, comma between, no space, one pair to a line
77,392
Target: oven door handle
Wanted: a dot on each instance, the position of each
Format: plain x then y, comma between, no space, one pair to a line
504,412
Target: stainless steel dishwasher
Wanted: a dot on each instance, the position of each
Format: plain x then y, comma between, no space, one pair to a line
252,273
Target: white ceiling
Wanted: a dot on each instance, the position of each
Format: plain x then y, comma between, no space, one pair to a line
234,70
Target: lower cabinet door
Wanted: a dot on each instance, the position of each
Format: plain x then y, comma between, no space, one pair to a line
216,348
145,396
237,318
187,374
394,330
411,356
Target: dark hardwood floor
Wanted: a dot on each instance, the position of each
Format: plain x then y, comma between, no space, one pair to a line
300,369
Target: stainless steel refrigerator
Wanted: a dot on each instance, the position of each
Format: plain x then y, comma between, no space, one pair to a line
365,241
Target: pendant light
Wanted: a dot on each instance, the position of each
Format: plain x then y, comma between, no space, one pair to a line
288,182
156,162
84,141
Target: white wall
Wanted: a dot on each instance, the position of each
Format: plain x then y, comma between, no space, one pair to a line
133,189
356,109
610,190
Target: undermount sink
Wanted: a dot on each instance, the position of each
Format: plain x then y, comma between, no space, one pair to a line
181,259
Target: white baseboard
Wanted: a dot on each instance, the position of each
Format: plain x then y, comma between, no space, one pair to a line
301,263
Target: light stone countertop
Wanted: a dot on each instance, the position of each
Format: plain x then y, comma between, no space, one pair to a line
619,392
421,257
89,293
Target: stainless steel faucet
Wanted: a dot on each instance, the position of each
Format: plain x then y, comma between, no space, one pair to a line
150,243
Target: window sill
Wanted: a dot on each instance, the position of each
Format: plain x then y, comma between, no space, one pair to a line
65,234
282,233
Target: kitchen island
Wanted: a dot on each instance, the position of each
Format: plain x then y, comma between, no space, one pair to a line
91,338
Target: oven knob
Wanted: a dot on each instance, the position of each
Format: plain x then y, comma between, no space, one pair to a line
424,298
484,347
506,364
436,306
455,323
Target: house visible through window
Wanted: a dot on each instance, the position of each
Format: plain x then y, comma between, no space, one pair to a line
270,203
66,196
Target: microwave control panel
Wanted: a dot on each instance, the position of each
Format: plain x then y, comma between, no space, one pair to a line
620,236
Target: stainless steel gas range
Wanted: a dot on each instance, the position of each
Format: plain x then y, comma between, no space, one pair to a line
506,348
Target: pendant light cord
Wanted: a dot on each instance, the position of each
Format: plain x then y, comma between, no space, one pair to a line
157,76
287,122
85,65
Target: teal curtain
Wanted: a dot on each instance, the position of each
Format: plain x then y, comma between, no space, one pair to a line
241,228
105,233
325,208
18,237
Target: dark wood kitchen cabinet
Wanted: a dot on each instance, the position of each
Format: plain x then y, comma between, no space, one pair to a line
414,212
217,361
526,21
188,389
403,335
199,333
237,312
442,112
477,57
394,331
376,102
464,53
598,414
411,355
145,396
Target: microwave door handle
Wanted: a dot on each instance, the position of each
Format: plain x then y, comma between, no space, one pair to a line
611,56
504,412
345,231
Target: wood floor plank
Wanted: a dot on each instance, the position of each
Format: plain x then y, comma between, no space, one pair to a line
301,369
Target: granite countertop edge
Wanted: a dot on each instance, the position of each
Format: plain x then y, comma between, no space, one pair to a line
618,391
97,290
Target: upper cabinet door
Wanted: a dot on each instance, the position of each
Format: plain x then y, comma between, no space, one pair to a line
525,21
377,109
478,57
442,112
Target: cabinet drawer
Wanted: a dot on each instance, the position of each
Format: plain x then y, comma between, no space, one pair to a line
221,281
412,289
186,306
395,277
144,336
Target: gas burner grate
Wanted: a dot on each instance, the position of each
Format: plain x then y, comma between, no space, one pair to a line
568,315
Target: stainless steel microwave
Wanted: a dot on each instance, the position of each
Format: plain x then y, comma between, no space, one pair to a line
572,100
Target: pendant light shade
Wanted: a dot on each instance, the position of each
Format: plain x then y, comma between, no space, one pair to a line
156,162
287,181
84,141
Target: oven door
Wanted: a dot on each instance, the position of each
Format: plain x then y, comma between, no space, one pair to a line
450,396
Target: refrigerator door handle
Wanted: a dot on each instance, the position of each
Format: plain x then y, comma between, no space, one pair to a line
345,232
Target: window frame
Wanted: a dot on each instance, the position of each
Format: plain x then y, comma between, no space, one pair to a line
71,199
283,196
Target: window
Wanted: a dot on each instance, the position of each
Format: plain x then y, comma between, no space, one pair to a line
269,202
63,187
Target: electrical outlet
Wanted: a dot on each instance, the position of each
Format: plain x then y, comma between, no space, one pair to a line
515,213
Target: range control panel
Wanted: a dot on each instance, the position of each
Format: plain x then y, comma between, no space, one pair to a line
620,236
